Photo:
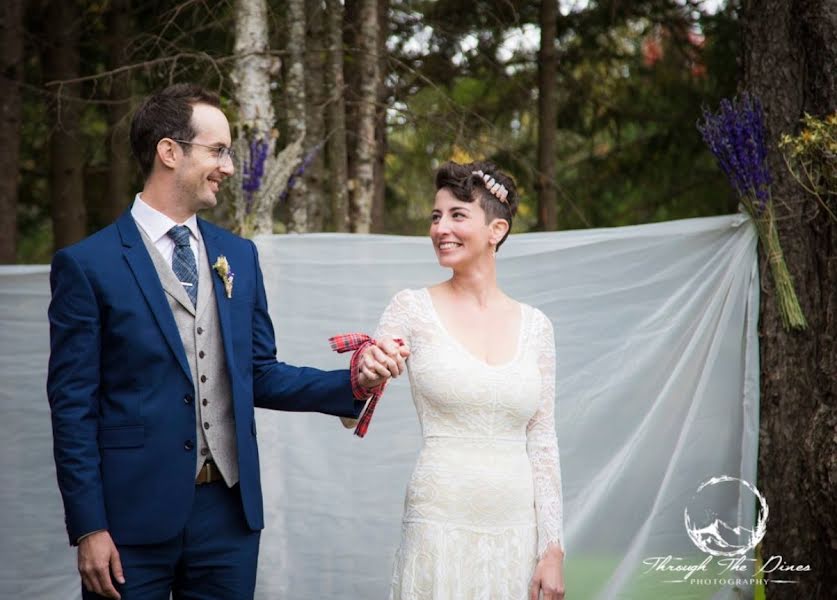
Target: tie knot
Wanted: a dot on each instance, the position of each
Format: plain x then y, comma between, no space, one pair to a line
180,235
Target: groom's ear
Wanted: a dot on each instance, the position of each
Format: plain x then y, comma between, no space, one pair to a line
167,152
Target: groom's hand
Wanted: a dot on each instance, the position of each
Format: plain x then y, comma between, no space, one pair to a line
380,362
97,558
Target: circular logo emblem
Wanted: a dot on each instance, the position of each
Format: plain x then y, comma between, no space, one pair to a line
709,531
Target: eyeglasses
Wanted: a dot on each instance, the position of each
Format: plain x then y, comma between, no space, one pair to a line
222,153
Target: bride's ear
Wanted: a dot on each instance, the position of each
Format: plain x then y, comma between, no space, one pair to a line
499,228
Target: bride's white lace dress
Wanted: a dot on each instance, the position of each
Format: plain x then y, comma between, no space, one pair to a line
484,500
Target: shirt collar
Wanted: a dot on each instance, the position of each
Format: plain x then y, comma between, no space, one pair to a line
156,224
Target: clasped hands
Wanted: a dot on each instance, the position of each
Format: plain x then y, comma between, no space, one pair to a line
387,358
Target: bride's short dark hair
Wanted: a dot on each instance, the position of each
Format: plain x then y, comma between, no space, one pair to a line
466,185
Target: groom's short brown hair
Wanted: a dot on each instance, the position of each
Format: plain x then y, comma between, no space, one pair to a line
167,113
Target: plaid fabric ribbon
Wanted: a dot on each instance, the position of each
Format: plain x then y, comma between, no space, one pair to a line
358,342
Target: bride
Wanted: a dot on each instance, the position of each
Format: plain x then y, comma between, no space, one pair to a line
483,509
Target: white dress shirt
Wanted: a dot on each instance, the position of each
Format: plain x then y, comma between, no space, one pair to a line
156,226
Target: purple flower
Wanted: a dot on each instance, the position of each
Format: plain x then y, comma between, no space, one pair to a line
736,136
300,170
253,169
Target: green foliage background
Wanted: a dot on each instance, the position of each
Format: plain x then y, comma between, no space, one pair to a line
627,150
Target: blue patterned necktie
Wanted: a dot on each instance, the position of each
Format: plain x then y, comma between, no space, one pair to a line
183,261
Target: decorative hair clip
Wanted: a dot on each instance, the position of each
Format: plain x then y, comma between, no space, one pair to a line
497,190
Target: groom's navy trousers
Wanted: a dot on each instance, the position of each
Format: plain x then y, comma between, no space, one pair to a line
214,557
124,426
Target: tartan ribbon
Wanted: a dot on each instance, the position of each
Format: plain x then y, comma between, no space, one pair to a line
358,342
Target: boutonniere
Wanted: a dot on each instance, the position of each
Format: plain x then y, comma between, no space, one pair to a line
222,267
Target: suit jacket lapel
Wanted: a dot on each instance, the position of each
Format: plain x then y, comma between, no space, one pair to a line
149,283
167,277
213,250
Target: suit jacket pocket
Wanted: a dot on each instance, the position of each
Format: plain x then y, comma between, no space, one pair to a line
125,436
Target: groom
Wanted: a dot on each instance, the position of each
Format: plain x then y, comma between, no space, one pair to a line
161,346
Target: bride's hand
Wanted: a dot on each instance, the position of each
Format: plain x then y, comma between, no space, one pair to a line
382,361
549,576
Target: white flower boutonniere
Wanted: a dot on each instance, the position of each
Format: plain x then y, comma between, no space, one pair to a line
222,267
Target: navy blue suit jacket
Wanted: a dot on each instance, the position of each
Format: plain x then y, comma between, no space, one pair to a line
120,388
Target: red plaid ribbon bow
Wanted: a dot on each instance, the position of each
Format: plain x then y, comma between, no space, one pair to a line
358,342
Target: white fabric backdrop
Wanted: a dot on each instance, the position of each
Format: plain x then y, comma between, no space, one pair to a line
657,391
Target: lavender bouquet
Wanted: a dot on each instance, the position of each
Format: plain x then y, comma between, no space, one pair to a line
253,169
736,136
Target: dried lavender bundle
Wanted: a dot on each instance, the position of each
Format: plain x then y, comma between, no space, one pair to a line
736,136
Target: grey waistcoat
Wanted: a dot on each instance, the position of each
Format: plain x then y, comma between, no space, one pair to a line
205,353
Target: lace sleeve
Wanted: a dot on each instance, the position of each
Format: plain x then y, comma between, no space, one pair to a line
542,446
395,320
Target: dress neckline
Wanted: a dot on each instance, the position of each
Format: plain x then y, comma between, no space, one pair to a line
438,318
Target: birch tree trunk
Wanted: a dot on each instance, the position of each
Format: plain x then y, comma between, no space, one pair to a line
790,63
11,76
364,190
66,168
261,174
547,117
315,127
337,159
295,94
120,168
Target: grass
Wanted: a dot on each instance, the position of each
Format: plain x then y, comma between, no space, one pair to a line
587,576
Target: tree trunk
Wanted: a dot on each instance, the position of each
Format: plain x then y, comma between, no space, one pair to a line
66,147
315,64
790,62
547,117
295,94
337,158
255,136
364,190
121,166
352,74
11,76
378,204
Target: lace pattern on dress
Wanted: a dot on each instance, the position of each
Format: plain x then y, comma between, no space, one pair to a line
542,446
484,500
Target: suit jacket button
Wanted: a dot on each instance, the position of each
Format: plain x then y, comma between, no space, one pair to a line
205,401
187,399
206,425
201,354
203,378
188,445
200,330
204,451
